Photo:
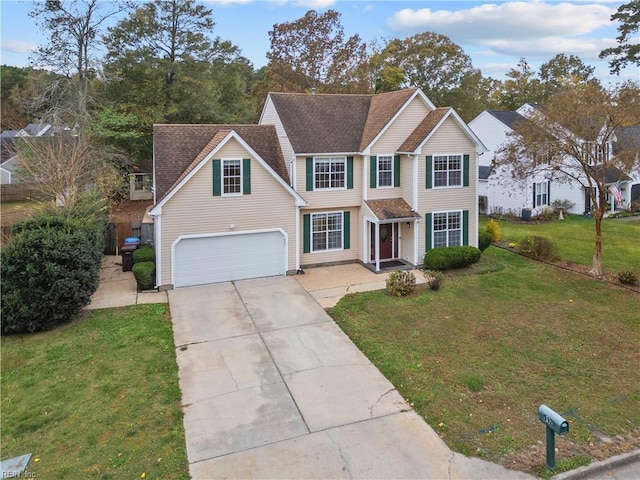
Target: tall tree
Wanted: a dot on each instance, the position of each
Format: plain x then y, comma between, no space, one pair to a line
428,60
566,139
563,70
73,29
167,66
313,53
628,50
522,86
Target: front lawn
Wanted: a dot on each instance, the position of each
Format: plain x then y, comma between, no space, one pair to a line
574,239
96,398
478,357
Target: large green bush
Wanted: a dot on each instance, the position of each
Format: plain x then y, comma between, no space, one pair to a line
49,271
484,240
144,273
447,258
144,254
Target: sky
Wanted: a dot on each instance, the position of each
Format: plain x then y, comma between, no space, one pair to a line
495,34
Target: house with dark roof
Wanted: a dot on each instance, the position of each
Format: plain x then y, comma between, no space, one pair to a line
499,192
322,179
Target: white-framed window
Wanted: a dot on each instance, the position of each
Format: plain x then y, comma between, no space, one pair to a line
541,196
447,170
326,231
232,177
385,170
329,173
447,229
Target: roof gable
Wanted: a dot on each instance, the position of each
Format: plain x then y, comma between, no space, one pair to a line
508,117
178,149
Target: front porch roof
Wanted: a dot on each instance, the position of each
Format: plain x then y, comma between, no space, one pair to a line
392,209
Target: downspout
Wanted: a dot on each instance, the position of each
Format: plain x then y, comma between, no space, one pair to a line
415,207
292,173
298,269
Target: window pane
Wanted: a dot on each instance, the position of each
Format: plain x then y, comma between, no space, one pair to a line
326,231
329,173
439,239
231,176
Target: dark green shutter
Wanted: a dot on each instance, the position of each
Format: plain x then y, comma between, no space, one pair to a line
465,170
429,175
309,174
373,172
306,233
246,176
428,221
217,178
465,227
349,172
549,193
396,171
346,230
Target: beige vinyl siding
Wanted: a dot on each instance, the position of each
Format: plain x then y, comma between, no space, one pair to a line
270,117
406,240
406,178
449,138
330,199
352,253
401,128
194,210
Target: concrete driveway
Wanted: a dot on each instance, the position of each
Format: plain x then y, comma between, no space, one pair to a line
272,388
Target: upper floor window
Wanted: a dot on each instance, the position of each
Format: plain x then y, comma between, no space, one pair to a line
385,171
447,229
232,177
329,173
447,170
597,152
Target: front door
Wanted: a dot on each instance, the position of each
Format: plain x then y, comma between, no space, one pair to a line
388,241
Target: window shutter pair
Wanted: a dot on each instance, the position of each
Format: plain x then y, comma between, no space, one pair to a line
465,171
429,229
306,232
310,173
217,177
373,171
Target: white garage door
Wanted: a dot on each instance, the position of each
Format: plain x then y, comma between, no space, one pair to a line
202,260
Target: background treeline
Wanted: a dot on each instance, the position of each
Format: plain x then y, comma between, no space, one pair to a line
163,63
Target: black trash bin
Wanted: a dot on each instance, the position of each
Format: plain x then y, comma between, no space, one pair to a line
127,257
526,214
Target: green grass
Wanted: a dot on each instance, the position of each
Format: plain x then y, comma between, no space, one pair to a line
478,357
96,398
574,239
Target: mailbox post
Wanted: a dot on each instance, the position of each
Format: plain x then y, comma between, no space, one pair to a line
555,424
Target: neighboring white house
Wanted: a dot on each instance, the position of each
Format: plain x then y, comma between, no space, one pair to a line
9,164
500,193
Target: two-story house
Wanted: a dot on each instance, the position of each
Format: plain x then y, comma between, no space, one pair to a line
322,179
499,192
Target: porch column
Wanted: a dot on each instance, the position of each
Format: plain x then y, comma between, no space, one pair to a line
377,246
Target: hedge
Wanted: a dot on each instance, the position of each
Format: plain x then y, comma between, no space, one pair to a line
144,254
144,273
447,258
49,271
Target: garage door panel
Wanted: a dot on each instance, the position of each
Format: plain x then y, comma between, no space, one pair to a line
224,258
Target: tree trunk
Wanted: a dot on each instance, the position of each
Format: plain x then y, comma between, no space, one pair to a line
596,267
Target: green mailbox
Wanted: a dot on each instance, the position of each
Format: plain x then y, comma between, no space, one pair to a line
555,424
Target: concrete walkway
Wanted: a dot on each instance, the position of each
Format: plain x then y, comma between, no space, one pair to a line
272,388
119,289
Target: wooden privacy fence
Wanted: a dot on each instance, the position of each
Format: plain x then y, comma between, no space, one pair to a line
19,193
117,232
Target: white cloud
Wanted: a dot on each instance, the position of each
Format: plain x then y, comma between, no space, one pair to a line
546,48
513,20
18,46
315,4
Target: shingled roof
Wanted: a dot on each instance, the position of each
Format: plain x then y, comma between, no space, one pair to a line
180,148
391,209
424,128
508,117
330,123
